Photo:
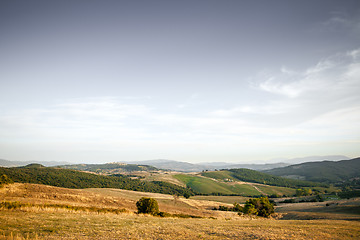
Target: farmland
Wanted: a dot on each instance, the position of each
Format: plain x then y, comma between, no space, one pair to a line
207,185
43,218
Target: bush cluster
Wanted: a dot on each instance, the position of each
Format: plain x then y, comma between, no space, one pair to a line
235,208
259,206
254,206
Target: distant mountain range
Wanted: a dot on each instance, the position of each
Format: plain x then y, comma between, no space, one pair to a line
7,163
211,166
291,161
344,173
325,171
188,167
191,167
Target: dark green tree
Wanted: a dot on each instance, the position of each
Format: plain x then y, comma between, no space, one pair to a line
147,205
237,207
187,195
259,206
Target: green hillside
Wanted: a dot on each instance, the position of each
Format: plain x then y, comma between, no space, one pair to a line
247,175
325,172
205,185
75,179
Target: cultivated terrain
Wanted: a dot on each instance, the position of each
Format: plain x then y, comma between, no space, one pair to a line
99,202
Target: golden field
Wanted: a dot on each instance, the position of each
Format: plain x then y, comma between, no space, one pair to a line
59,213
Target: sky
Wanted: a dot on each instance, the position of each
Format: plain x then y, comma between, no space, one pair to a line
192,80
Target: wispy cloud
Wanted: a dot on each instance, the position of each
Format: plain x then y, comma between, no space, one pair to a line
293,97
86,120
334,77
318,105
342,21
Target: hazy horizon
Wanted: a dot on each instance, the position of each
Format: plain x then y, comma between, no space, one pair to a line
195,81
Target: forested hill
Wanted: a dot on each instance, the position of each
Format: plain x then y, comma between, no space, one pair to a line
325,172
247,175
108,168
36,173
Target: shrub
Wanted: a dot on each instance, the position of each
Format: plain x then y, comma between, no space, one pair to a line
187,195
164,214
259,206
236,208
147,205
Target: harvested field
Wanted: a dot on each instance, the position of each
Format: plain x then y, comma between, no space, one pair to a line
46,212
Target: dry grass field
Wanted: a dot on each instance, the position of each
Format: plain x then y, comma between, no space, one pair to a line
42,217
335,210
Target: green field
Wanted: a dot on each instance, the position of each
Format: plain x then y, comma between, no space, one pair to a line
206,185
219,175
270,190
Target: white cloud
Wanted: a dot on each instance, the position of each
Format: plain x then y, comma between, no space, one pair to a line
355,54
334,77
294,103
318,106
85,121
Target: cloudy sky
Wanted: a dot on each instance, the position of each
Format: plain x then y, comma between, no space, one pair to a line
191,80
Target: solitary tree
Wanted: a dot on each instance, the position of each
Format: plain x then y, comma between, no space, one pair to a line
147,205
187,195
259,206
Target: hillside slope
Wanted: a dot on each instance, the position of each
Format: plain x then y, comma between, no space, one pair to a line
325,172
247,175
212,186
67,178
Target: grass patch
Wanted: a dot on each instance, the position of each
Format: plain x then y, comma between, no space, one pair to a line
222,199
124,226
219,175
19,205
176,215
270,190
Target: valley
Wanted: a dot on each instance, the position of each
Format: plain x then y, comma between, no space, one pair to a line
99,202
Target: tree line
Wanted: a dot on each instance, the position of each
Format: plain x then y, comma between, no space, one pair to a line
248,175
75,179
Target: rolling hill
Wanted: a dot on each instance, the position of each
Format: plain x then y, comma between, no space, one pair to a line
211,186
7,163
247,175
36,173
324,172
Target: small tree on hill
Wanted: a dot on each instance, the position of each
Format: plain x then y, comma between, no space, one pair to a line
259,206
147,205
187,195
